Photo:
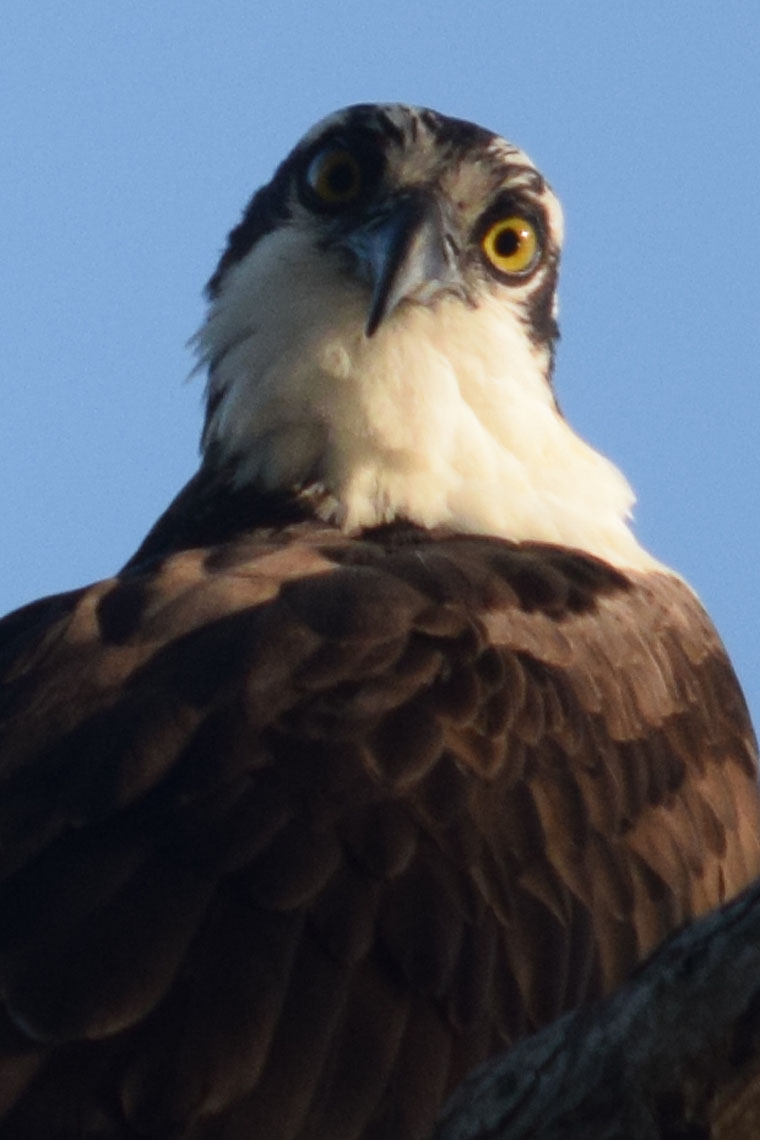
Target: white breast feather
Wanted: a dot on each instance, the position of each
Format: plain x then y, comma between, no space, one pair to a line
444,416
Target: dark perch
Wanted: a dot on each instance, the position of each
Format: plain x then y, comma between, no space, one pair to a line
672,1055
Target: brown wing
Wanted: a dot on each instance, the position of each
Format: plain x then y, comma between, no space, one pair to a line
295,830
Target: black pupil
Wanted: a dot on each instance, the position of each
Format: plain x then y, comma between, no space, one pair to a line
341,177
507,243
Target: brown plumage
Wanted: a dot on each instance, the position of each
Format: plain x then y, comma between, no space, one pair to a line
296,828
301,819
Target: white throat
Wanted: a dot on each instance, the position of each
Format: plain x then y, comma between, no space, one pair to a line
444,416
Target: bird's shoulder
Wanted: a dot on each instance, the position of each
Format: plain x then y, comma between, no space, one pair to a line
390,763
417,650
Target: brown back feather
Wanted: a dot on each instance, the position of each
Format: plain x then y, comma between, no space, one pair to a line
296,829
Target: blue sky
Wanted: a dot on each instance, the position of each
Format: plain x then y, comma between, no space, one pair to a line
134,132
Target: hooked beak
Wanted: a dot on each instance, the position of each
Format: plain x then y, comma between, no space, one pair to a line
404,254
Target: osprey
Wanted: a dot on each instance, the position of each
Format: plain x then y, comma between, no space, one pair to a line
390,743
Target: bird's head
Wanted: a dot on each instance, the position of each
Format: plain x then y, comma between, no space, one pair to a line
381,337
409,207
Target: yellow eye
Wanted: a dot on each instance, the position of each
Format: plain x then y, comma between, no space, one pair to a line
334,177
511,245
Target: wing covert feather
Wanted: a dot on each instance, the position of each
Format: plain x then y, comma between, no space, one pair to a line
296,829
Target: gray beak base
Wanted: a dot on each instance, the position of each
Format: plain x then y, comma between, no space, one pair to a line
404,254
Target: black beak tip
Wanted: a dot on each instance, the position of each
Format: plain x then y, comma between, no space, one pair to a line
373,322
379,303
